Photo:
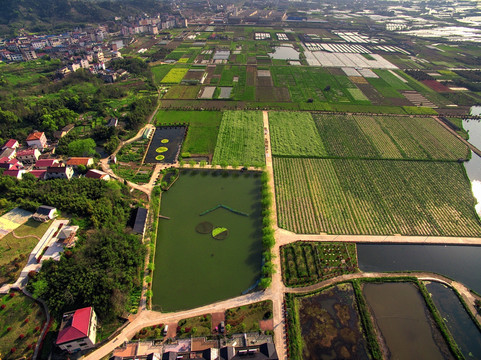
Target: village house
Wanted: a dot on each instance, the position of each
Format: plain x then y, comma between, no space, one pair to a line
37,140
97,174
43,164
65,130
78,330
11,144
44,213
28,157
14,173
76,161
39,174
59,172
10,164
8,153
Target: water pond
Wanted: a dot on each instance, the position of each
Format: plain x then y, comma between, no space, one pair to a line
465,332
455,261
407,327
284,53
165,145
473,166
330,326
192,268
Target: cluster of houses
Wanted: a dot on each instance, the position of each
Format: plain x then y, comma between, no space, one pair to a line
79,327
92,42
16,160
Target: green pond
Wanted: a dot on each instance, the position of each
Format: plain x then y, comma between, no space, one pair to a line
194,269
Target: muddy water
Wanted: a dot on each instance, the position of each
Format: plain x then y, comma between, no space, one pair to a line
407,327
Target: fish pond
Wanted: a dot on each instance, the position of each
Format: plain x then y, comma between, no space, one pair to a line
330,325
464,331
210,247
459,262
406,326
165,145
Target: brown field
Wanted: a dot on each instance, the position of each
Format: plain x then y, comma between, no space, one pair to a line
264,81
194,75
358,80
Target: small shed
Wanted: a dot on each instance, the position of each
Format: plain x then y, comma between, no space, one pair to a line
140,219
44,213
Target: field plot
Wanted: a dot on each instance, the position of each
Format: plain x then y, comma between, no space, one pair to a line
330,325
182,92
174,76
294,134
339,196
202,131
306,262
165,145
241,139
393,137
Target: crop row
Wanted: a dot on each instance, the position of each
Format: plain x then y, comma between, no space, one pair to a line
393,137
341,196
240,140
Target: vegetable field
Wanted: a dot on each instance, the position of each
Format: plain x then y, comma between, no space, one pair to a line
388,137
175,76
294,134
306,262
240,140
341,196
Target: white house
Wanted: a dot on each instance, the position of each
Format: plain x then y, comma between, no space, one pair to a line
37,140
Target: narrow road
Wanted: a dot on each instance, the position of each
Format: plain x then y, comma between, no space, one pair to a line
473,148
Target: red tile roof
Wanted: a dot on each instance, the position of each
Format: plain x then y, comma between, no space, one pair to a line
4,160
28,152
95,174
39,174
35,136
77,327
78,161
46,162
11,143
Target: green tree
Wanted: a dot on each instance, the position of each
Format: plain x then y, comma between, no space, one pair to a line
82,147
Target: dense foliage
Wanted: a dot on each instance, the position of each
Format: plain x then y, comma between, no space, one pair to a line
103,268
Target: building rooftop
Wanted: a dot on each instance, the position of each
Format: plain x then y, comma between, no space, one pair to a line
75,325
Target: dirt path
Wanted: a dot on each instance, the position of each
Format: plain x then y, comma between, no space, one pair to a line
24,237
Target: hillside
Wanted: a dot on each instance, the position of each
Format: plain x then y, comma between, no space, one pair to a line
59,15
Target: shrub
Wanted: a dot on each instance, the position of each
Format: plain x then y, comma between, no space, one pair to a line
21,336
26,320
12,294
9,328
12,350
3,306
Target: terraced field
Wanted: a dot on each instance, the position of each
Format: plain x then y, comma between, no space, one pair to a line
240,140
341,196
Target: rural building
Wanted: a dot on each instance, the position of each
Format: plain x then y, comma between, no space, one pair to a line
43,164
37,140
76,161
140,219
14,173
67,235
97,174
10,164
44,213
59,172
29,156
65,130
113,122
77,330
11,144
39,174
8,153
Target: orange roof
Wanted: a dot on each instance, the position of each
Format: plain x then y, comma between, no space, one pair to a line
35,136
78,161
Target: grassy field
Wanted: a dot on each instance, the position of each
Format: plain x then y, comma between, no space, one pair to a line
388,137
20,324
294,134
340,196
240,140
174,76
14,252
305,262
202,132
